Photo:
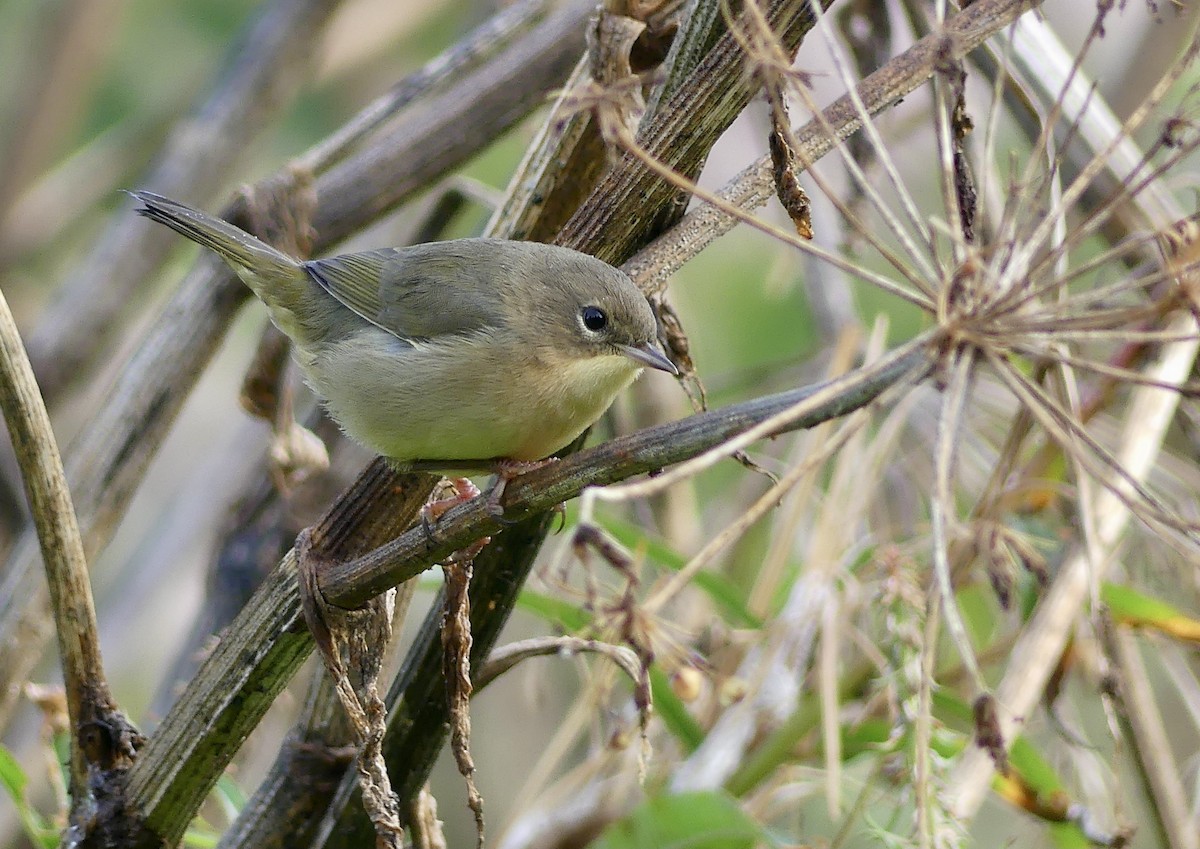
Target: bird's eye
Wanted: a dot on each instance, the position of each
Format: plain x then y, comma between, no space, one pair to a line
594,319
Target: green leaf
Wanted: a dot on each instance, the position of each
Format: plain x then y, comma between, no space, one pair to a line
566,615
201,837
12,776
724,593
229,796
1127,603
684,821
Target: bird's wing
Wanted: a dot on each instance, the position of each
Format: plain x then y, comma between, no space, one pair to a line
420,292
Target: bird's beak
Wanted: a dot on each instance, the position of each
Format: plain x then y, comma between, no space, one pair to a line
649,355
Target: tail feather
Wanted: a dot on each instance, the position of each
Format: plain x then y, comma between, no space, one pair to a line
276,278
237,247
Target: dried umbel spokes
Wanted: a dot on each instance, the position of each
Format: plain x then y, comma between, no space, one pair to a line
1181,255
1050,279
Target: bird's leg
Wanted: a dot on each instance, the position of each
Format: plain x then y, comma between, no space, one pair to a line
508,470
464,490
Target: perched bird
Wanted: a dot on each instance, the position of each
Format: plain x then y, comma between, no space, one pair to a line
457,355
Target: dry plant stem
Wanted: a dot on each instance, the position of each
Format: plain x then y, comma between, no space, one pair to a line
574,813
505,658
261,650
86,312
352,644
560,166
288,805
456,667
698,33
89,702
632,203
923,786
1152,746
1151,411
824,553
423,824
106,466
829,652
567,157
705,437
942,506
417,726
754,186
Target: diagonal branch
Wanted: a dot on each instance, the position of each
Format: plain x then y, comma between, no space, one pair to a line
266,644
754,185
105,467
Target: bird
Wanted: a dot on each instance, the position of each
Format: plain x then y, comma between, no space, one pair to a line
469,354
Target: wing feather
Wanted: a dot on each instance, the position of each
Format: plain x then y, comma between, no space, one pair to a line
424,291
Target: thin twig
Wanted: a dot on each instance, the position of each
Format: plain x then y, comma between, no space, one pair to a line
1151,745
694,442
503,659
262,650
100,736
754,185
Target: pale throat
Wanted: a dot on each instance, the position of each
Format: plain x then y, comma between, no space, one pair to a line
597,379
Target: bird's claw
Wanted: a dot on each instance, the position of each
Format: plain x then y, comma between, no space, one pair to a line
507,471
435,508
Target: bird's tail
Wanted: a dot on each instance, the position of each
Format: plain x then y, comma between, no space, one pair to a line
237,247
276,278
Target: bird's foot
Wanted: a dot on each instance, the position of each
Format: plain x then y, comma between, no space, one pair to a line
435,508
506,471
464,491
